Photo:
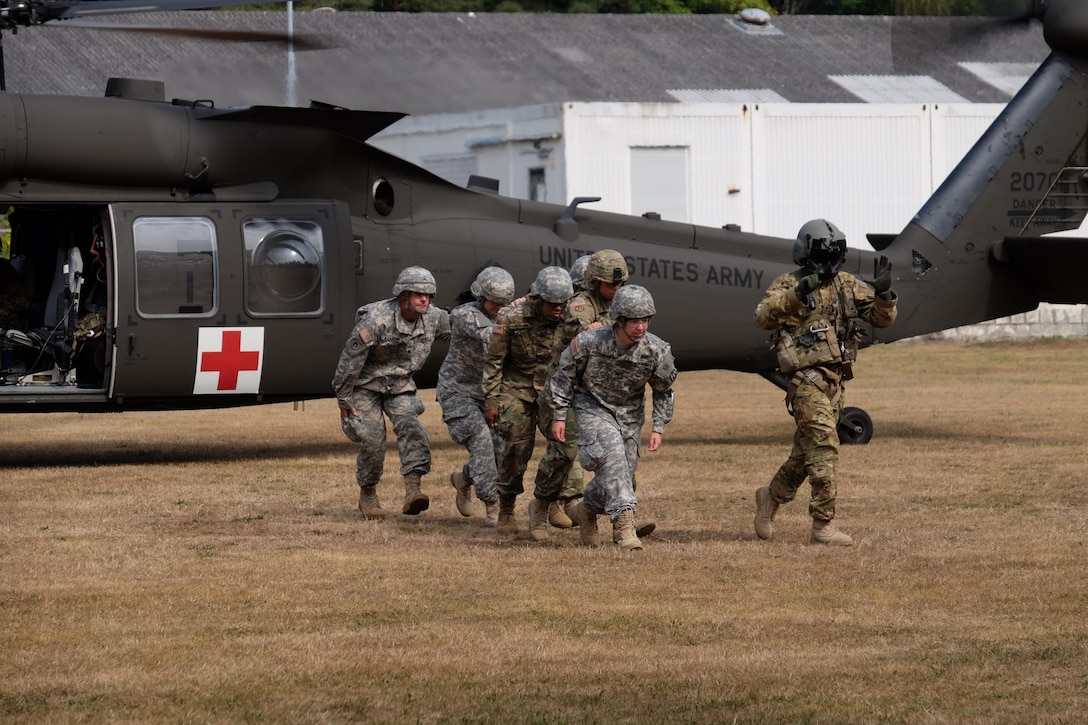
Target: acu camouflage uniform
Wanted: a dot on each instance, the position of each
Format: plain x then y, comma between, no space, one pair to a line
374,376
817,344
606,383
460,393
522,346
558,468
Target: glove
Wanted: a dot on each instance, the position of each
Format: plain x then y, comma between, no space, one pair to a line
882,276
807,284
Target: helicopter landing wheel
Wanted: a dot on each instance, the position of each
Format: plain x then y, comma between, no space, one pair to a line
856,427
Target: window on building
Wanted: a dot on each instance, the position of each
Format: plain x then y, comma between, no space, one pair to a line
659,181
177,266
538,185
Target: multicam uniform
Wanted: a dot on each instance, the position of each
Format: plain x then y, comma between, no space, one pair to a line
523,344
816,342
462,398
606,383
374,375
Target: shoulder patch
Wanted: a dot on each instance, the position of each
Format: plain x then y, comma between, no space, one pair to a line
497,330
574,347
366,337
577,302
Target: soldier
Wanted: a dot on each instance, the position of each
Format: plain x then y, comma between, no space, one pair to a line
603,375
813,311
604,273
460,391
578,273
574,484
391,341
525,338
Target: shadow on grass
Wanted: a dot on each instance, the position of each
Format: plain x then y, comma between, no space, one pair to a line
75,453
68,452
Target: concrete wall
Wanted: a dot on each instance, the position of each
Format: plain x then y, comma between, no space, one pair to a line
1047,321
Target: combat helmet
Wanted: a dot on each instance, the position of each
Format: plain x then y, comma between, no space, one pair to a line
607,265
552,284
414,279
578,272
632,302
820,248
494,284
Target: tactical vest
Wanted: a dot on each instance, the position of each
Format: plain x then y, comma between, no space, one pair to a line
827,336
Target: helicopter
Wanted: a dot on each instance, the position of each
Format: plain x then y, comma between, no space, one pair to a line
183,256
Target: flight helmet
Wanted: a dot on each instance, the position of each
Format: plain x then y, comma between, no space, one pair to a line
607,265
632,302
578,272
414,279
820,248
552,284
494,284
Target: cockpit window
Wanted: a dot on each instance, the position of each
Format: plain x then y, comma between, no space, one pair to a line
284,267
176,266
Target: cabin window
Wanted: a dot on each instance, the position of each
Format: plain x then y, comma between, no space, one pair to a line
176,266
284,263
383,197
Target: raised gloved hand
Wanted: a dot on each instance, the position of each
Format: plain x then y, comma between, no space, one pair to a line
806,284
882,276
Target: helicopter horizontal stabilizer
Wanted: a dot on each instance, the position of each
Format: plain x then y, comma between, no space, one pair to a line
1053,266
359,125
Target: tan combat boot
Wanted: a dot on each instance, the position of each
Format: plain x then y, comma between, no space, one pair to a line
623,531
766,507
369,506
824,532
586,521
557,515
538,519
641,530
464,493
415,501
506,522
491,513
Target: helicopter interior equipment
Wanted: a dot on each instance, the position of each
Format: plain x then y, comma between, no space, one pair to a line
183,256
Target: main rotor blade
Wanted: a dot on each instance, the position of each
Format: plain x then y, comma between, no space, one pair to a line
298,42
94,8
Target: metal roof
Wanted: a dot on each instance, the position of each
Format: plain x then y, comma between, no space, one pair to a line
457,62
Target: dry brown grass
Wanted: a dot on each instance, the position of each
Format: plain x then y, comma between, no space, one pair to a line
211,567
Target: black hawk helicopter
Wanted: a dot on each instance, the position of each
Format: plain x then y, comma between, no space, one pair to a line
183,256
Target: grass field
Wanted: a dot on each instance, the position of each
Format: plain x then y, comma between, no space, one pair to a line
212,567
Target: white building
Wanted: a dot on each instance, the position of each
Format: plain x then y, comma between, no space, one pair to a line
766,167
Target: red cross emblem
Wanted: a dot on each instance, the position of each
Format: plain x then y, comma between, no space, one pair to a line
229,360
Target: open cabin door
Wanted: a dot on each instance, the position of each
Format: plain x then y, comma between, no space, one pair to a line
228,304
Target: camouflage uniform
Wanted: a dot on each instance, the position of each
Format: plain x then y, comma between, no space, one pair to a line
559,467
522,346
817,344
606,383
374,376
460,393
